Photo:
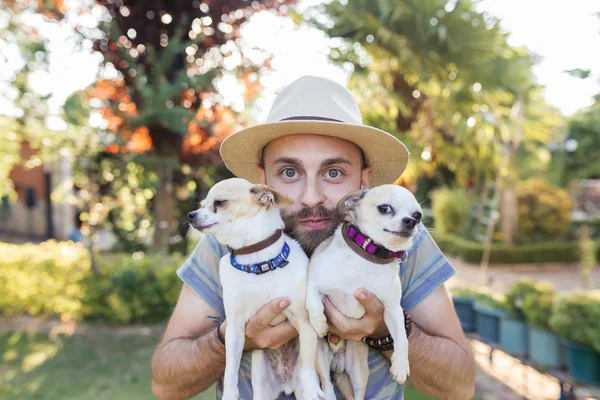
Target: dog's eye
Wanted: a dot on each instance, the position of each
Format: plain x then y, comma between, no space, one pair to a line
385,209
418,216
219,203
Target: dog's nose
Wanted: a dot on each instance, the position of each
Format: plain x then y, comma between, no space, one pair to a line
192,215
409,222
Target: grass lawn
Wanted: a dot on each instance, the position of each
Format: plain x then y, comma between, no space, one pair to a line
108,367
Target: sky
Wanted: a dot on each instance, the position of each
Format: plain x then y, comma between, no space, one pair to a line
565,34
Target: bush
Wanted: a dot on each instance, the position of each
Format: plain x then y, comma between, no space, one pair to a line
577,318
492,301
483,297
55,280
534,253
544,211
516,294
539,304
451,209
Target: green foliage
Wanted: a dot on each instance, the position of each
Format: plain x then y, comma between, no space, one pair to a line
517,293
492,300
446,76
534,253
583,132
451,209
544,211
589,258
55,280
481,296
577,318
539,304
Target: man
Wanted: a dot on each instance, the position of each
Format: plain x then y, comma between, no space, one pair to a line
315,150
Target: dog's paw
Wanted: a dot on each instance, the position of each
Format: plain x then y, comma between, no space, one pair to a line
319,324
400,369
330,393
230,393
313,393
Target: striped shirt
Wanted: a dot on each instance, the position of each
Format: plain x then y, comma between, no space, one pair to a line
425,270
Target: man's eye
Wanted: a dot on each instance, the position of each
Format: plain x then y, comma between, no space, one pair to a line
418,216
334,173
289,173
385,209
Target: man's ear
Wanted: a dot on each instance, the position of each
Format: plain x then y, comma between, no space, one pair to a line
268,196
365,176
350,201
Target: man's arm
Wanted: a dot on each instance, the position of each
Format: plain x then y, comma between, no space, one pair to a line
441,362
190,357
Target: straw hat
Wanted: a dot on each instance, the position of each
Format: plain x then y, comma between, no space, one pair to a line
313,105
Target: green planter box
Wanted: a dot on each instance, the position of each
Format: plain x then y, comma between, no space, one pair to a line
545,349
487,322
466,313
583,363
513,336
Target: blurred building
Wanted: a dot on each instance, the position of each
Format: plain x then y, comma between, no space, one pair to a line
586,193
34,216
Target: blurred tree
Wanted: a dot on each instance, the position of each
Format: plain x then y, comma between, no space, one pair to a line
23,112
443,72
163,104
582,145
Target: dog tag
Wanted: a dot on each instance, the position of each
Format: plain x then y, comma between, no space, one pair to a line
264,267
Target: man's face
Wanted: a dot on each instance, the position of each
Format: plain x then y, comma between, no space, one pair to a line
316,172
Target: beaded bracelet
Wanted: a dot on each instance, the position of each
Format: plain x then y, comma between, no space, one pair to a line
387,343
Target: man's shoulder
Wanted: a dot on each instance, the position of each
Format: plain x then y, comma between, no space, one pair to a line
208,244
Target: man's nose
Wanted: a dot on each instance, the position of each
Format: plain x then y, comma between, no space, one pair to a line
312,195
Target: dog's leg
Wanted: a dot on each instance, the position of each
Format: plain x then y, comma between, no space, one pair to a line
324,359
263,382
357,367
311,389
316,314
234,346
394,319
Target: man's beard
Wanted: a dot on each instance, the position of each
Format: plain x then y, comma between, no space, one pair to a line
310,239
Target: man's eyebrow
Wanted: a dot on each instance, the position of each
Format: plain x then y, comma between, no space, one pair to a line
333,161
289,160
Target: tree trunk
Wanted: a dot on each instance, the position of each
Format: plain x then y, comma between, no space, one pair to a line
164,208
509,204
509,213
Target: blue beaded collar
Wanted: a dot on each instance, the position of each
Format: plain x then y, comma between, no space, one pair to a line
260,268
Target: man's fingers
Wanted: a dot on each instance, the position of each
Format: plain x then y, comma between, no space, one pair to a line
369,301
338,322
268,312
280,334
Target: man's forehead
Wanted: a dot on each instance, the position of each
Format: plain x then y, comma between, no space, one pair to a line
310,146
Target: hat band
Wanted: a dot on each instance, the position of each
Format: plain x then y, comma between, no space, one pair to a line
310,118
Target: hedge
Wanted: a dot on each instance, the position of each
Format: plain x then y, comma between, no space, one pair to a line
55,280
534,253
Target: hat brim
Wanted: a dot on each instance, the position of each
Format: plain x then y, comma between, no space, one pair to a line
387,155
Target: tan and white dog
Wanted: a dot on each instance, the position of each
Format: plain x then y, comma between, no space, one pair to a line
242,216
379,226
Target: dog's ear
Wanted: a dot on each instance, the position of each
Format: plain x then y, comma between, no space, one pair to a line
350,201
269,196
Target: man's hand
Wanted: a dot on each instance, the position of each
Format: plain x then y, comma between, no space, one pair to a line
371,324
259,332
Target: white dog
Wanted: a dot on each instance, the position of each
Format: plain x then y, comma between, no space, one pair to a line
264,264
363,253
